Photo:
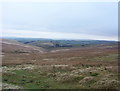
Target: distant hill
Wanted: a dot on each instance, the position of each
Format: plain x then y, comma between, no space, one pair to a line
51,44
17,47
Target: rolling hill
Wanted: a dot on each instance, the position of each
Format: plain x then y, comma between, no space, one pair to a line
17,47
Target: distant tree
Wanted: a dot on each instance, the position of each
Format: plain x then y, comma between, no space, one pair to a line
57,45
83,45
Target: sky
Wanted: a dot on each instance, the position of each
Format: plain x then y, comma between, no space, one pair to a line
61,20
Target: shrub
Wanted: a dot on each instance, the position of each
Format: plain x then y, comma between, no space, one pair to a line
94,74
78,78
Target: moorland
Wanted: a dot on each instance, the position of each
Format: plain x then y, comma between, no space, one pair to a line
33,63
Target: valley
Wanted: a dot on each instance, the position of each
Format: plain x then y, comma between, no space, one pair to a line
60,64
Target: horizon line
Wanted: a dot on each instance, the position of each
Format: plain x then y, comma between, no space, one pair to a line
10,37
55,35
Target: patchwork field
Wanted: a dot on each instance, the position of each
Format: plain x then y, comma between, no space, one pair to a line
91,67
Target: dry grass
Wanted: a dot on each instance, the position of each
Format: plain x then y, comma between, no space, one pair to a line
91,67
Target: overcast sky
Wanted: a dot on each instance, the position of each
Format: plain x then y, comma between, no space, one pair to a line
78,20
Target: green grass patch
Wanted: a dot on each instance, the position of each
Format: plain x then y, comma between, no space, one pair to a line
32,79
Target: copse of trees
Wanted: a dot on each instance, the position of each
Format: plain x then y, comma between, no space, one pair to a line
63,45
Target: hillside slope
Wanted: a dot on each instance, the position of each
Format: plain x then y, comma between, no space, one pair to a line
14,46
